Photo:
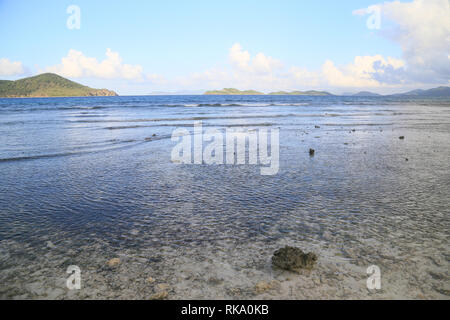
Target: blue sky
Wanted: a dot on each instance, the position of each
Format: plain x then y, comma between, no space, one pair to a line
186,45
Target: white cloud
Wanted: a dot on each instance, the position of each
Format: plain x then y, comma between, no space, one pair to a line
260,63
244,71
262,72
239,57
363,72
77,65
10,68
302,77
422,29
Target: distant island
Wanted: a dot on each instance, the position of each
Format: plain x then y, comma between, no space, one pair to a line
232,91
301,93
440,92
366,94
48,85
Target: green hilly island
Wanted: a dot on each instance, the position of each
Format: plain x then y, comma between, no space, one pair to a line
48,85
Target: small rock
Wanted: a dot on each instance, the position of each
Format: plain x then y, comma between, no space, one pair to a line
114,262
50,245
312,152
159,295
162,287
293,259
215,281
261,287
150,280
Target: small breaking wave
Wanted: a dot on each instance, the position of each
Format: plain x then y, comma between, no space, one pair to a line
74,152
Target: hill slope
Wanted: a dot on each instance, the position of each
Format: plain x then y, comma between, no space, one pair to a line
366,94
435,93
48,85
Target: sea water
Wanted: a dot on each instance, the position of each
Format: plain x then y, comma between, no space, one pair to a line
85,180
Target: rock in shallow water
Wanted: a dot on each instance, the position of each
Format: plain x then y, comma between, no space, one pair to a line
114,262
293,259
159,295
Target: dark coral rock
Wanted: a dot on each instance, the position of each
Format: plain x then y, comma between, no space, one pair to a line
293,259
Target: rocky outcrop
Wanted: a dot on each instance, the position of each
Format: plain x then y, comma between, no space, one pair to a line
293,259
102,93
114,262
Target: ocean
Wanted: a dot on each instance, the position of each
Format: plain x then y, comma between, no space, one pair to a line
86,180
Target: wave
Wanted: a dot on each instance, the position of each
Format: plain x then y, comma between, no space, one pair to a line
73,153
199,118
57,108
294,104
227,105
255,104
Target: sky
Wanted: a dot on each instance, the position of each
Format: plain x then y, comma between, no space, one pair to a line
140,47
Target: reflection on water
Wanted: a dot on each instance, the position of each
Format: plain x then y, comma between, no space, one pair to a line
85,180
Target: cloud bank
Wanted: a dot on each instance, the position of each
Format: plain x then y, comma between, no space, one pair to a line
10,68
77,65
263,72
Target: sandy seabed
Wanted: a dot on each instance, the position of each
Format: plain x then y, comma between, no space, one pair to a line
219,270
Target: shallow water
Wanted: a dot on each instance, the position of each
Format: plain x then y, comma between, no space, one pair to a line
84,180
